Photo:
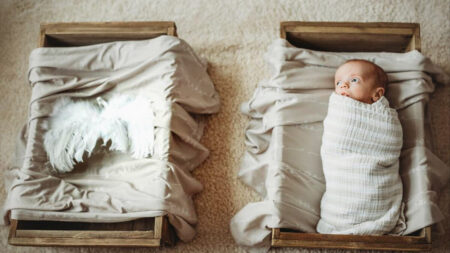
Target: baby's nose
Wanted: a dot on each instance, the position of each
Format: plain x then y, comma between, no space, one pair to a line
345,84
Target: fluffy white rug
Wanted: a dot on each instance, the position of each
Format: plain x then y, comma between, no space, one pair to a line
233,36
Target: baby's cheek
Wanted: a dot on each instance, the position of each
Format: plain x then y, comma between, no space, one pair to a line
366,99
361,95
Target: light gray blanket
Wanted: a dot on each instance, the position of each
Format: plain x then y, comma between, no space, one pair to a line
113,186
282,159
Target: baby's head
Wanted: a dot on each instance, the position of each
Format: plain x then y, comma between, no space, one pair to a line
361,80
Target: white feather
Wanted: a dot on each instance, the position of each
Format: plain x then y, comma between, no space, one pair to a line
74,127
137,115
112,128
70,133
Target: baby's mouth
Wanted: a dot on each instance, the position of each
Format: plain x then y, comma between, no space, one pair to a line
344,94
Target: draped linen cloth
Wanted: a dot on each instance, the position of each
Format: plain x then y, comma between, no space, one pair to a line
360,153
283,139
113,186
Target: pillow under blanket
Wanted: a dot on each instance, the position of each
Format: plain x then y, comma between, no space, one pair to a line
360,152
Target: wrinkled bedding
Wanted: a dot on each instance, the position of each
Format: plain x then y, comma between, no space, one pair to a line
113,186
282,159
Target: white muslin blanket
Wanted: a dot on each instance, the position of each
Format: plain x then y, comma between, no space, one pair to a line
360,153
115,186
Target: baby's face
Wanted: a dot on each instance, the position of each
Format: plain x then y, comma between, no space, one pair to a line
356,80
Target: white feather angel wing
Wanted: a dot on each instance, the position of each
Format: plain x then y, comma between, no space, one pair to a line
74,128
137,115
111,128
70,133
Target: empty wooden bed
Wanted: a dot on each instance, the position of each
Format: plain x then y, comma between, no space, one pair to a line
144,232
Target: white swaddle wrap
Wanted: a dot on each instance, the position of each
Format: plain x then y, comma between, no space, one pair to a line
360,154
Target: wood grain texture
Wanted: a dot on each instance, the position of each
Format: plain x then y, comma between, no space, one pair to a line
81,34
351,245
137,233
420,242
168,236
158,227
352,37
103,242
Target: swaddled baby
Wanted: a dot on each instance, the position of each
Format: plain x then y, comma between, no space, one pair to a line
360,153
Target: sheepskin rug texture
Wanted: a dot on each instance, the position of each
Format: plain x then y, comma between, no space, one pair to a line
233,36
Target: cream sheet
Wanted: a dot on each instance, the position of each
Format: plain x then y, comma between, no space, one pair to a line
112,186
282,159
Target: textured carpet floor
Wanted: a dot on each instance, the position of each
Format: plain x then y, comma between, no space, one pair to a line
233,35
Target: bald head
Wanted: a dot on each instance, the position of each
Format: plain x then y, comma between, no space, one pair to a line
361,80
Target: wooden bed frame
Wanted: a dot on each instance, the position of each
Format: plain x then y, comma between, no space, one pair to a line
352,37
146,232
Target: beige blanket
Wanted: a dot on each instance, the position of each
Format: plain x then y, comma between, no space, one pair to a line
113,186
282,159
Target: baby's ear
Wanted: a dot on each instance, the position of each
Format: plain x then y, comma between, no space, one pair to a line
379,92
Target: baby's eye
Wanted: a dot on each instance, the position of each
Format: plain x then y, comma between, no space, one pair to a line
339,83
355,80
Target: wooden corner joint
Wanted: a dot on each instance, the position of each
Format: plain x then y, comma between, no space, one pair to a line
12,229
